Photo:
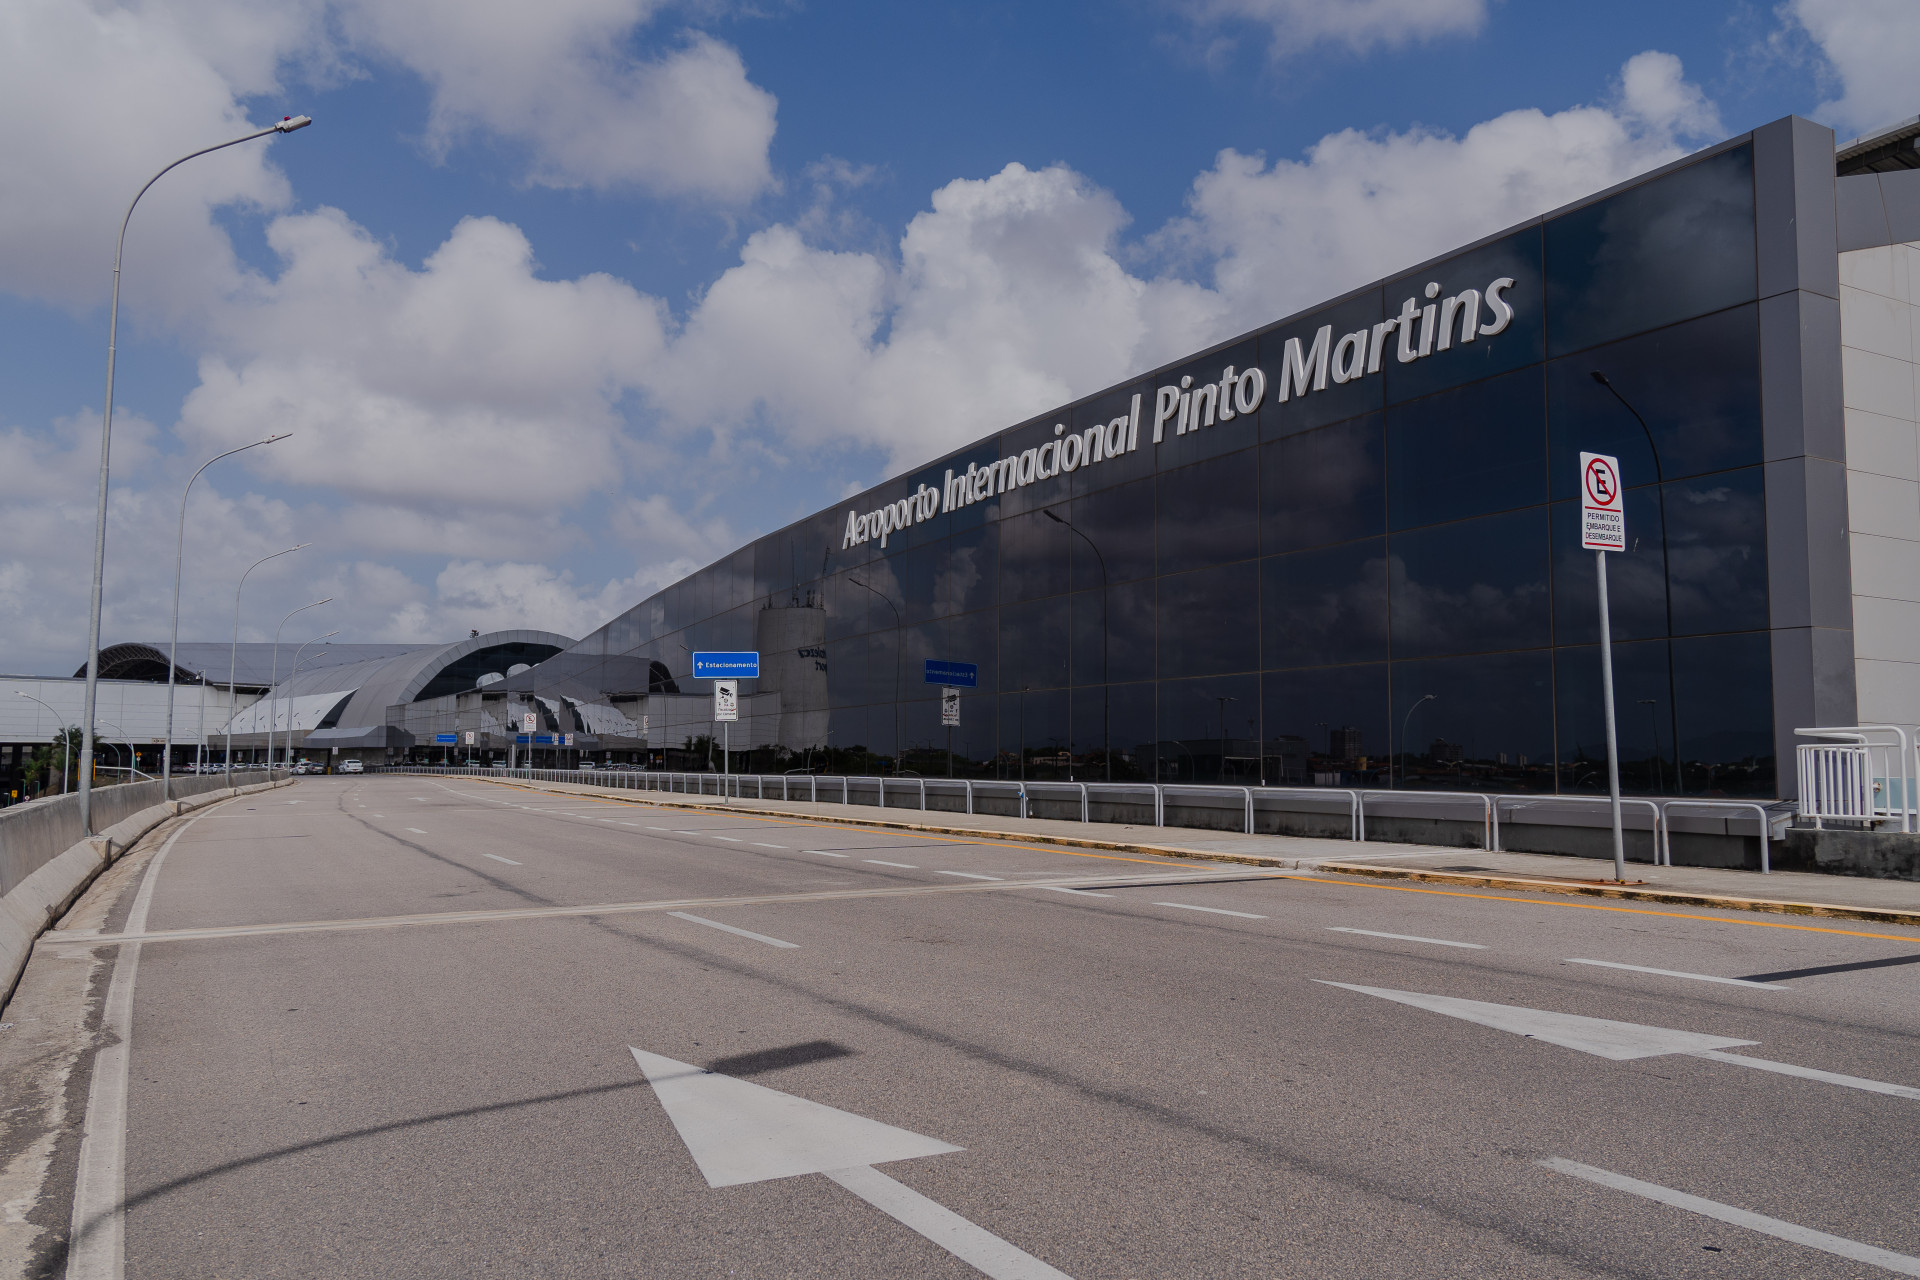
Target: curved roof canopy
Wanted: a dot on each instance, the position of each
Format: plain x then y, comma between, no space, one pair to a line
208,661
345,703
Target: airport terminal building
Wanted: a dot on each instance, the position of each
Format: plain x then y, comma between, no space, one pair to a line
1343,550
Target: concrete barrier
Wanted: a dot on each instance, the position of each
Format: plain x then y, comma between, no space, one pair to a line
40,878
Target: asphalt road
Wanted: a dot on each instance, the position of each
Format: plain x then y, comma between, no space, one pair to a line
1154,1080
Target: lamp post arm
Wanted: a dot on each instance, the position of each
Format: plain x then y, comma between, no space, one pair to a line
233,654
286,125
173,644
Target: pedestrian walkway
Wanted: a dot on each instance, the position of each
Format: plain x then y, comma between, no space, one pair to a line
1790,892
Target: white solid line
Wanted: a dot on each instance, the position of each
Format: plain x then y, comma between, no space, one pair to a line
1675,973
497,858
1809,1073
417,831
1218,911
1840,1246
827,854
745,933
761,844
1407,937
973,1245
98,1248
1078,893
968,875
904,866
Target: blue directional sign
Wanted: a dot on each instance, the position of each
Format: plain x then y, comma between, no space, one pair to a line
720,664
961,675
447,738
523,739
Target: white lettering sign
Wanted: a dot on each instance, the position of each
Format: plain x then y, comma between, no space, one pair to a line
1417,332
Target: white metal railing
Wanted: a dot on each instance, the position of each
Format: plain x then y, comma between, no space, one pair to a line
1865,773
966,793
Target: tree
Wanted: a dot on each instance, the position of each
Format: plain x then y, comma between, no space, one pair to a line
51,766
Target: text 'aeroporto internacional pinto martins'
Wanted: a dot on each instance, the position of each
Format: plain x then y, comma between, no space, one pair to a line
1419,331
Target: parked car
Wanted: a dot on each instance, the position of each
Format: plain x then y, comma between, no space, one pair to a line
352,765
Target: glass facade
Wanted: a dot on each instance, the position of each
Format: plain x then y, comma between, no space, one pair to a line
1369,574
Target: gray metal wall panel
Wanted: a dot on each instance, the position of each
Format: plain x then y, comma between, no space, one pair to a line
1900,196
1795,203
1862,213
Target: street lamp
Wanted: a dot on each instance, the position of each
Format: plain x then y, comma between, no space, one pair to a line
1660,490
1404,722
66,747
274,677
233,654
1106,688
290,678
286,125
173,645
899,639
133,757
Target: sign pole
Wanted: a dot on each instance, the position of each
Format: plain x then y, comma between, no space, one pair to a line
1613,739
1603,528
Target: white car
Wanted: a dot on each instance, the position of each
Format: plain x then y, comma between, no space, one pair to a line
352,765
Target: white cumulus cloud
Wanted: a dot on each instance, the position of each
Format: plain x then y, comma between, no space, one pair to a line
1873,48
1295,26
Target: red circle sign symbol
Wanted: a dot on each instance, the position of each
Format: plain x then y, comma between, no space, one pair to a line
1603,484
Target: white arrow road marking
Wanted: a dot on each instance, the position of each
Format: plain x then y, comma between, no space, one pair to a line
1407,937
727,928
739,1132
1620,1041
1675,973
1899,1263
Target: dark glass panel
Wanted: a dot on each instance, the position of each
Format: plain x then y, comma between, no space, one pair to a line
1035,738
1210,730
974,737
1336,401
1522,342
1033,556
1209,621
1123,715
1119,521
1489,726
975,638
1041,493
847,740
1636,582
927,641
1472,586
966,570
1327,606
1717,543
1467,452
1324,486
1208,513
1224,435
918,574
1101,411
1128,632
860,669
1643,718
1326,727
972,514
1033,645
1723,694
1696,384
1676,247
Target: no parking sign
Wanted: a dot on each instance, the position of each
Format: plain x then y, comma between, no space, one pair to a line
1603,516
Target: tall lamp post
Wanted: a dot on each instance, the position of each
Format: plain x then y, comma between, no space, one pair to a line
1404,722
66,746
287,125
233,654
274,678
290,678
1106,687
173,645
899,639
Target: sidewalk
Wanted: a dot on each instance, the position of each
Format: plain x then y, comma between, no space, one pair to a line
1787,892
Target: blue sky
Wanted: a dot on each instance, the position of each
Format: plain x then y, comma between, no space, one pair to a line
561,301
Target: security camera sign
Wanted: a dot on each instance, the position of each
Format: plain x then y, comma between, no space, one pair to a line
949,707
726,701
1603,517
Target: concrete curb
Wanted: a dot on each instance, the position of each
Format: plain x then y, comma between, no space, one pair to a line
1512,884
38,901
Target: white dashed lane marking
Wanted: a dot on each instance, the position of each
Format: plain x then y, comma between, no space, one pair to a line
1218,911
